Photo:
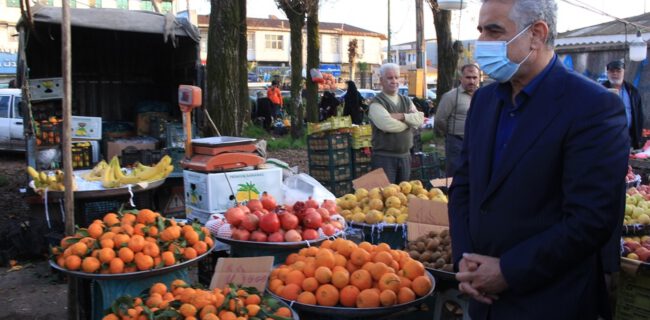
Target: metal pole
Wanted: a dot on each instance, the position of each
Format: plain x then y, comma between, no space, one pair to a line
388,51
73,284
420,62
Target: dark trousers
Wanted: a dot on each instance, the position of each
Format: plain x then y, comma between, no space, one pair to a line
397,169
453,146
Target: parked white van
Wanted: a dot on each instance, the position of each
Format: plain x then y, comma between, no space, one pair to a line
11,121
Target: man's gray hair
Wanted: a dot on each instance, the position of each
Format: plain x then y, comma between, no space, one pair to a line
388,66
526,12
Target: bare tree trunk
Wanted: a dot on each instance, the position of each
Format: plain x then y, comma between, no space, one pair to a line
447,52
245,105
225,88
295,11
313,60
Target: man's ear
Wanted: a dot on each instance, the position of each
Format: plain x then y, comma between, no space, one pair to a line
540,34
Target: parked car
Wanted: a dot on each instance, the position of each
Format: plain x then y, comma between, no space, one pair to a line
367,95
431,94
11,121
403,90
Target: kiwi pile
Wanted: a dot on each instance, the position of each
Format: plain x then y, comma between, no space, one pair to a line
433,250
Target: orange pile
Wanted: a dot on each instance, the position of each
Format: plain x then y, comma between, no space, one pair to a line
340,272
132,241
181,301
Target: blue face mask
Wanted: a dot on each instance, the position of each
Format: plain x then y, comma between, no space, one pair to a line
492,56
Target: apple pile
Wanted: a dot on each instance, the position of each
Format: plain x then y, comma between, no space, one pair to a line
264,221
637,206
636,248
630,176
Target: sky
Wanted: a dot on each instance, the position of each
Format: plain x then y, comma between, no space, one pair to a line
372,15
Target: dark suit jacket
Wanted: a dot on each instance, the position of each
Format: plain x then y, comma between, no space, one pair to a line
637,113
553,202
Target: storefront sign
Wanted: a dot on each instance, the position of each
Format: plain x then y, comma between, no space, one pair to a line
333,69
8,63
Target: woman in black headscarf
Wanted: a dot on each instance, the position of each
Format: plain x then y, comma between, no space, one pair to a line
353,101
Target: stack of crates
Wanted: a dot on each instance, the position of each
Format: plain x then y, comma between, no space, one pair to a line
330,161
426,166
361,142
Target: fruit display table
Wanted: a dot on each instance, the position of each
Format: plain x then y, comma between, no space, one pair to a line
279,250
105,288
393,234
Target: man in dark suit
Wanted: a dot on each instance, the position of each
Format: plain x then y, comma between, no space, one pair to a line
540,188
631,100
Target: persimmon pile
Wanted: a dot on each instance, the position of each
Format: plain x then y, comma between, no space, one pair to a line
181,301
130,241
342,273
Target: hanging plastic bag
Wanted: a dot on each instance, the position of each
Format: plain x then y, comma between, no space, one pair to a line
301,186
316,76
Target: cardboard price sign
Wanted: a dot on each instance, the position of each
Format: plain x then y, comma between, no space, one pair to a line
425,216
374,179
249,272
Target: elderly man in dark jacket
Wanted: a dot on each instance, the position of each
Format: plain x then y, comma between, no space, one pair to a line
631,99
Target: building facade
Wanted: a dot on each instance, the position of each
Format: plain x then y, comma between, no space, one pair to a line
269,47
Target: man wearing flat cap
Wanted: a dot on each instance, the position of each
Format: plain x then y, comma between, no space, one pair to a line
631,99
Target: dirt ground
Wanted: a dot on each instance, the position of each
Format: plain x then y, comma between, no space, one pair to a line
30,290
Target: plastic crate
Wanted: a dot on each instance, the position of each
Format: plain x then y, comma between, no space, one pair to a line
417,143
416,174
129,156
331,174
416,160
362,142
82,155
318,127
339,188
360,169
151,157
175,135
362,130
328,141
430,159
206,266
177,154
158,128
362,155
340,122
330,158
49,133
633,297
429,173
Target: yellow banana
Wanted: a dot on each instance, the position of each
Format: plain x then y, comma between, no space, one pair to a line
43,177
154,171
108,179
33,173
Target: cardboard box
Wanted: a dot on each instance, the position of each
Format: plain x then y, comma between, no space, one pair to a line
115,147
87,128
425,216
46,88
216,192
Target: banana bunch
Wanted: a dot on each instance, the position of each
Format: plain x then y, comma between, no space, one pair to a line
52,182
96,173
113,176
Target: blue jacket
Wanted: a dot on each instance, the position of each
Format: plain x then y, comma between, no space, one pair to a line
551,205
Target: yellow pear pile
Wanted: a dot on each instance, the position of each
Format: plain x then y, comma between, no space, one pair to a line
385,205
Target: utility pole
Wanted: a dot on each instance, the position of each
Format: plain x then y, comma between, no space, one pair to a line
388,51
420,45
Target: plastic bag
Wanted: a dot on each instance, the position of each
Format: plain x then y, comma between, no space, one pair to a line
316,76
301,186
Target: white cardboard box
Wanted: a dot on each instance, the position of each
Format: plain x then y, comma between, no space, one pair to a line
89,128
216,192
46,88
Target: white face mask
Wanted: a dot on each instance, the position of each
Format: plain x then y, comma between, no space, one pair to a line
492,57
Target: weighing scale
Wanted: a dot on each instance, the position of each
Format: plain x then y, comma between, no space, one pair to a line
213,154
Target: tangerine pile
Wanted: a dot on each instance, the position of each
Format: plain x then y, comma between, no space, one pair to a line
181,301
130,241
340,272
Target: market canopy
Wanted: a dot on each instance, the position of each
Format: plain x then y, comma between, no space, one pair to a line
118,19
